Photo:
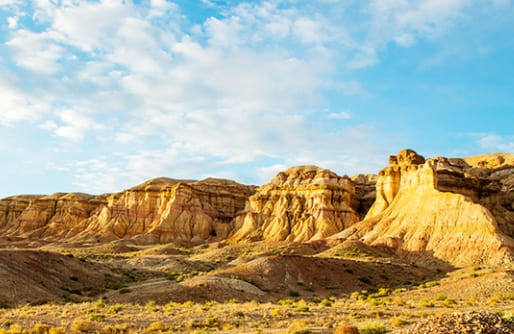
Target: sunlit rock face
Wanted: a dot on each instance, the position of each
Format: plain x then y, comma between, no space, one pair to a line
455,210
300,204
160,210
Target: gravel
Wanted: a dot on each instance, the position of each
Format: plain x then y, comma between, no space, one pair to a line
462,323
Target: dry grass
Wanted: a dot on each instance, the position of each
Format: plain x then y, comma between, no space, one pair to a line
288,316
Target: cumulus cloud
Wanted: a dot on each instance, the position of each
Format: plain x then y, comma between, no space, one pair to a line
495,143
17,104
340,115
74,124
12,22
36,51
180,100
404,22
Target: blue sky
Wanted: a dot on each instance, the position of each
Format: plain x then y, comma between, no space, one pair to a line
98,96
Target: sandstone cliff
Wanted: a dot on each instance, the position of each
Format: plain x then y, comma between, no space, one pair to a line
444,209
159,210
300,204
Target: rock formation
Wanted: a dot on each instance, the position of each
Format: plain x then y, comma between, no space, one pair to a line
365,193
159,210
445,209
300,204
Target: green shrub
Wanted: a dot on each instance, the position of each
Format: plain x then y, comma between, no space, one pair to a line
425,303
373,329
326,302
365,279
293,293
96,317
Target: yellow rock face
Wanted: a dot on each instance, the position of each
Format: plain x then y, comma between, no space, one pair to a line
160,210
300,204
445,210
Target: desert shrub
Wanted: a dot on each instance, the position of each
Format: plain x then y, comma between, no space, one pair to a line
373,329
495,299
425,303
303,308
156,327
97,317
123,291
309,287
83,326
347,329
74,278
398,301
349,271
365,279
509,317
275,312
115,309
40,302
151,306
294,293
41,329
326,302
211,321
287,301
440,297
3,304
449,301
431,284
99,303
356,294
397,321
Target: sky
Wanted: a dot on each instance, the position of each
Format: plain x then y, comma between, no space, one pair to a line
99,96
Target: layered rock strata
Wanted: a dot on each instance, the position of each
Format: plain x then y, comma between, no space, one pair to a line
300,204
441,208
160,210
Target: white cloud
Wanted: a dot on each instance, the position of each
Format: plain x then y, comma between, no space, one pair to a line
265,174
340,115
12,22
36,51
48,125
404,21
9,2
75,124
17,104
161,7
494,142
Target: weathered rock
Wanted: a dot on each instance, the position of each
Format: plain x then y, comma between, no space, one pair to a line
300,204
442,209
365,193
467,322
160,210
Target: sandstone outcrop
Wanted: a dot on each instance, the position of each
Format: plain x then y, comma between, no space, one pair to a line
159,210
365,193
444,209
300,204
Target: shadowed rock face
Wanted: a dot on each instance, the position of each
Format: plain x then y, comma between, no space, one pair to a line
442,208
160,210
300,204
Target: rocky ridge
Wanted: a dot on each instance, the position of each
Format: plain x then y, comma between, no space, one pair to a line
159,210
450,210
300,204
442,209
